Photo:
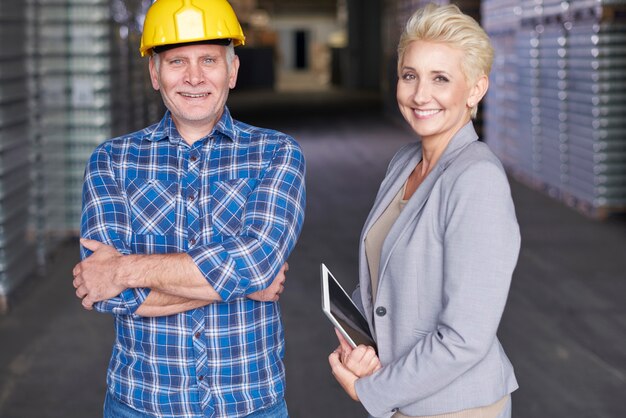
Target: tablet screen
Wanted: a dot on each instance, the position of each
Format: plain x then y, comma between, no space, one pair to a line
342,311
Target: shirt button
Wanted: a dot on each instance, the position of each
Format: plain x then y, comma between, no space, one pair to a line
192,241
191,198
197,335
201,378
193,159
381,311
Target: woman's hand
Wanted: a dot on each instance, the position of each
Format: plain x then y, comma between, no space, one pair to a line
348,364
345,377
361,361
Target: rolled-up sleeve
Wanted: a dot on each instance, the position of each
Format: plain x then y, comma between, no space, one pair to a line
105,218
271,222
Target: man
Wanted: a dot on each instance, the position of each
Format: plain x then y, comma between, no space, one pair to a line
185,227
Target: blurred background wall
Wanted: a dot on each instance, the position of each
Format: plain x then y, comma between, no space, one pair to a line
325,71
71,77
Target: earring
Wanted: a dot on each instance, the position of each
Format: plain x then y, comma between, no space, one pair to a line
471,104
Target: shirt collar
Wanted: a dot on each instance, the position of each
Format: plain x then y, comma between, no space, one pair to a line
166,129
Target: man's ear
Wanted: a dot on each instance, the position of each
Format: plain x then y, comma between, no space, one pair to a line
234,70
154,74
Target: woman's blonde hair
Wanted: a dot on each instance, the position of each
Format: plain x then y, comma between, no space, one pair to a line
447,24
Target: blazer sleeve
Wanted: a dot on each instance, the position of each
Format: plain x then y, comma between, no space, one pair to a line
481,244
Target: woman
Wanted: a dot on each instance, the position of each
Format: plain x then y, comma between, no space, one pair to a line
440,244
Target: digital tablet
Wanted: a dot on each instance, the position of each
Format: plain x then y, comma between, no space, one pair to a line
342,311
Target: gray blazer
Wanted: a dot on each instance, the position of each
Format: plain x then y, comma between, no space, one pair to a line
445,272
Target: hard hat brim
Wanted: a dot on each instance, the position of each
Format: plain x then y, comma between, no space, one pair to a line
161,48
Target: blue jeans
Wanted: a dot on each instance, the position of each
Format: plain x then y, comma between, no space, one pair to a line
113,408
278,410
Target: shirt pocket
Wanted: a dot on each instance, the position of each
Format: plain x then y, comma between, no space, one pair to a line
228,199
152,205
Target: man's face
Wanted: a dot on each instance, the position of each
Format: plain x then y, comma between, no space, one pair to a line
194,82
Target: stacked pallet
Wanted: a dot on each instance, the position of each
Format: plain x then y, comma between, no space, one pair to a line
93,82
50,68
501,19
70,77
93,72
596,114
568,83
16,250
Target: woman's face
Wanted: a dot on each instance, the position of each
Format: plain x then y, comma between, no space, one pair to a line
433,94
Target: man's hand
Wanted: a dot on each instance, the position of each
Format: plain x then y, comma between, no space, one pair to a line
272,293
96,278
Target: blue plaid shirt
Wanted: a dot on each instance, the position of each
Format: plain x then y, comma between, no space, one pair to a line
234,201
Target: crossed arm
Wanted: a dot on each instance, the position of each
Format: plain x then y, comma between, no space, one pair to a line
111,278
176,285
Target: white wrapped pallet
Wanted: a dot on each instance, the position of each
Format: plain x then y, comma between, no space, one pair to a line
15,146
597,105
51,66
572,101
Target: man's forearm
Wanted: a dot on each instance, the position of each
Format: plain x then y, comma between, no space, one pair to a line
171,274
162,304
175,282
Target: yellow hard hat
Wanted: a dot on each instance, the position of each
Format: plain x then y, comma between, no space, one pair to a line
170,22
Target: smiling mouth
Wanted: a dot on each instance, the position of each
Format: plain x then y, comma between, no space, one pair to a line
195,96
426,113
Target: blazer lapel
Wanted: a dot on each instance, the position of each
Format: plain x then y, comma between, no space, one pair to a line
391,184
458,143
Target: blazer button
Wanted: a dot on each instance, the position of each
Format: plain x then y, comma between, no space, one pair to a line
381,311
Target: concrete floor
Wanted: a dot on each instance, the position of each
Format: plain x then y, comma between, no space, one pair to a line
564,327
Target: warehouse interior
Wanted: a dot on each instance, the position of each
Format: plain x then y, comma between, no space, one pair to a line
324,71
